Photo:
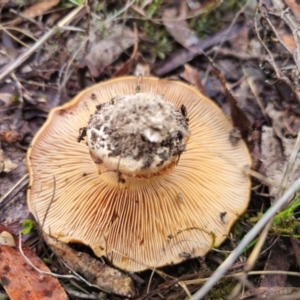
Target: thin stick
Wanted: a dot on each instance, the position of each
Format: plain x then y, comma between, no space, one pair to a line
290,168
76,276
23,179
38,270
238,274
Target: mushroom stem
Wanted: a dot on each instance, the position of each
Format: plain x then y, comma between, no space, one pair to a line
137,135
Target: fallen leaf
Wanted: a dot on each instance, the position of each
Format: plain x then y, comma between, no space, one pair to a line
275,152
35,10
21,281
178,28
276,261
183,56
295,8
191,75
6,165
238,117
288,39
285,122
107,278
274,292
108,50
240,43
6,239
142,67
127,67
9,136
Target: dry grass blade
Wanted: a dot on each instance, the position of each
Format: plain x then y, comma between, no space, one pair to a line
36,10
16,188
40,42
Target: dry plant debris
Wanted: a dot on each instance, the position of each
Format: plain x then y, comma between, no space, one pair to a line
19,279
96,273
106,51
9,136
6,165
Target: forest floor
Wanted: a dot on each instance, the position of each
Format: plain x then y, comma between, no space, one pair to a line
244,55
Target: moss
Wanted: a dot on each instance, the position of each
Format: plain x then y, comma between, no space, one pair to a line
208,22
14,98
285,222
162,42
222,289
237,229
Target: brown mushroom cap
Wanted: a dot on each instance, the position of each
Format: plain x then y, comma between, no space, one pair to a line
145,222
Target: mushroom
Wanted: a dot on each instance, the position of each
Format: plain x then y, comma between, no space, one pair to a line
155,181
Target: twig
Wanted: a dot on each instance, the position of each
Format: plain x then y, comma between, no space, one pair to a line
291,165
223,39
86,40
76,276
38,270
14,37
181,57
16,188
264,12
259,101
79,295
22,16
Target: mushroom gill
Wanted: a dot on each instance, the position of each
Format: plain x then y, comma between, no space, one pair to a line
140,221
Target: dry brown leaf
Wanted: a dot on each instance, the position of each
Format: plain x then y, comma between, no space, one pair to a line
295,8
240,42
272,157
21,281
287,39
269,293
285,122
275,152
108,50
36,10
127,67
6,165
178,28
142,67
238,117
107,278
6,239
184,55
191,75
9,136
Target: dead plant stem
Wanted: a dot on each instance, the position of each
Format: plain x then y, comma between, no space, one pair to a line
17,187
40,42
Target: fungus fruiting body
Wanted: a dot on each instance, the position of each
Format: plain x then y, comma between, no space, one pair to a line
136,134
146,179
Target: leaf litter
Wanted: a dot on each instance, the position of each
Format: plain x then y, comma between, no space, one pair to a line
252,70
